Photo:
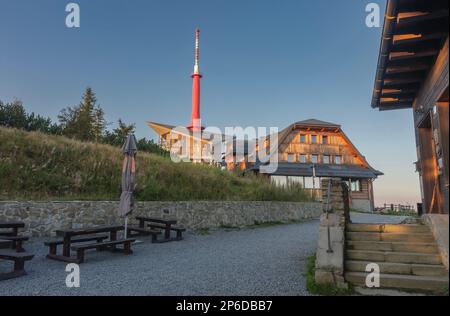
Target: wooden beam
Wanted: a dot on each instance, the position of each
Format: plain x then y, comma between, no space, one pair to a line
391,101
401,81
396,93
407,68
407,18
416,38
411,55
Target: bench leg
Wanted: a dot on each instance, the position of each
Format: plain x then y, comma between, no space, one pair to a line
52,249
19,247
127,248
99,240
154,238
179,235
80,255
19,265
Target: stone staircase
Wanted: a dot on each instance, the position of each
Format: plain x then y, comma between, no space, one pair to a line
407,255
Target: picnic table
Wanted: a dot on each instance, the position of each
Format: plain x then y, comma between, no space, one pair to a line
95,235
10,231
165,224
13,226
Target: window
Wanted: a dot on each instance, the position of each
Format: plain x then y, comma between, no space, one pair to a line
314,158
290,158
326,159
338,160
313,139
302,158
324,140
355,186
302,138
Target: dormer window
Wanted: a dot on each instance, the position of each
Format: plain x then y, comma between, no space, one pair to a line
313,139
324,140
302,138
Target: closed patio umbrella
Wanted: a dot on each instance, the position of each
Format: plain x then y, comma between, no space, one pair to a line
126,205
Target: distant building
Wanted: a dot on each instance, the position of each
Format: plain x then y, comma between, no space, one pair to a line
310,150
412,73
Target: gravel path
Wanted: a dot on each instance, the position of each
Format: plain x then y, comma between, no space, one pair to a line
261,261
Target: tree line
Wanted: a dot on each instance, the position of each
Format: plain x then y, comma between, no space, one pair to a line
85,121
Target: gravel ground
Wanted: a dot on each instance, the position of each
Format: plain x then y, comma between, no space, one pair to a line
376,218
260,261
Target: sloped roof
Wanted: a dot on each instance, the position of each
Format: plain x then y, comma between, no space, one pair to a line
314,122
322,170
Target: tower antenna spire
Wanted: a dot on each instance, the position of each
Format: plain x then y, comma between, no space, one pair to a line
197,51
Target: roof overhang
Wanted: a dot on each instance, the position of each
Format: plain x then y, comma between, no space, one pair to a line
414,32
322,170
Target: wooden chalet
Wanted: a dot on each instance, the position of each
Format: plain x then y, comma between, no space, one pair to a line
312,149
412,73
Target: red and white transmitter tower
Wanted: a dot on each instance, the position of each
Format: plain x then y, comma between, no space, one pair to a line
196,76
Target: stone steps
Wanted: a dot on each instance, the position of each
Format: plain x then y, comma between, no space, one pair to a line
399,268
405,282
397,246
388,228
370,236
399,257
407,255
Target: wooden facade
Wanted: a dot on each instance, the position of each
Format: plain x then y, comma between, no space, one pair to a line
412,73
310,150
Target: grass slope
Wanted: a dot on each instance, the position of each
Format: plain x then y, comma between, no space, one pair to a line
45,167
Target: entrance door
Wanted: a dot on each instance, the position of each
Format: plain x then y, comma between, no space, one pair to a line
432,196
443,117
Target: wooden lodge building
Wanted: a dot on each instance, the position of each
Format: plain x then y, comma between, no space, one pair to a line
310,150
412,73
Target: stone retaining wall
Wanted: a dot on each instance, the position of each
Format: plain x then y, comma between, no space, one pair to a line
43,218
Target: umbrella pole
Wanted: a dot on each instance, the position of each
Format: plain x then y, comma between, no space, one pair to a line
126,226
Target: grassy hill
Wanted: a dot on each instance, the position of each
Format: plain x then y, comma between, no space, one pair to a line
44,167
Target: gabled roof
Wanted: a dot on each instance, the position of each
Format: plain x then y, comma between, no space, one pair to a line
317,123
283,134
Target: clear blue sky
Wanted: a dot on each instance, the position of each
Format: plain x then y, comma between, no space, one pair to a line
265,63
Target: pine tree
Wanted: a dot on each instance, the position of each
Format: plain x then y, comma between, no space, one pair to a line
99,124
86,121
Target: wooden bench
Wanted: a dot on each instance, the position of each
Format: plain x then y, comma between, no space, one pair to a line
178,230
16,242
53,244
19,263
139,231
107,244
5,244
